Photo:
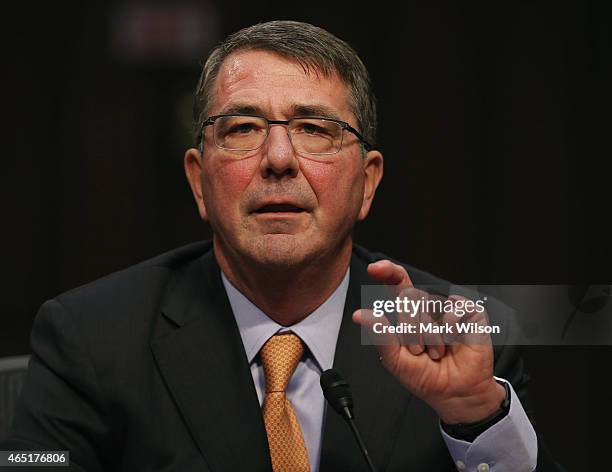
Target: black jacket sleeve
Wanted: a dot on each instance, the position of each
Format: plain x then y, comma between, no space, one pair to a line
61,406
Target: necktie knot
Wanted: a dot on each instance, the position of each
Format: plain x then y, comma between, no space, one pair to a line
280,356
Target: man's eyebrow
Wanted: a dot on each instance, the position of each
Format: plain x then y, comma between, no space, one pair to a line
316,110
298,110
241,108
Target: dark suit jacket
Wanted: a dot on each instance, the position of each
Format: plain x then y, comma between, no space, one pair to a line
144,370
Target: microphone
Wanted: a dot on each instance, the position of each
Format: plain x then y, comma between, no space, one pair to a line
338,394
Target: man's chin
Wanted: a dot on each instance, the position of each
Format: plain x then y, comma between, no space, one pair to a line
282,251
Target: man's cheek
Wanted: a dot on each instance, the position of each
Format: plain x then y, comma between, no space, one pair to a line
232,167
231,179
335,207
225,187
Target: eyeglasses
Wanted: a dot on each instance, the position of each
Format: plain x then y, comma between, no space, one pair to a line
308,135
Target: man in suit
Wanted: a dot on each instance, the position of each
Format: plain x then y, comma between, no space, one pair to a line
207,358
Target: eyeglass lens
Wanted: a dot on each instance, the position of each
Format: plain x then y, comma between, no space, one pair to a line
308,135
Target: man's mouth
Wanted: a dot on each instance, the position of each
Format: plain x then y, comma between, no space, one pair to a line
280,208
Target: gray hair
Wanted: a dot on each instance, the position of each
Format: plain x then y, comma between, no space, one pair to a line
313,48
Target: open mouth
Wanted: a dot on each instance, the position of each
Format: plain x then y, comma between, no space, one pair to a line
280,208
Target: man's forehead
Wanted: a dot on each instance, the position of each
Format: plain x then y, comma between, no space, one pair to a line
261,81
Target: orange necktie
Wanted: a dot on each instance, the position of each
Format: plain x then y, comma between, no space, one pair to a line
280,356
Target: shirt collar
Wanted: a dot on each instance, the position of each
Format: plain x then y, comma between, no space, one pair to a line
319,330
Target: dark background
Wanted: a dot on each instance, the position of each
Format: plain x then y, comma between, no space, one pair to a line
494,121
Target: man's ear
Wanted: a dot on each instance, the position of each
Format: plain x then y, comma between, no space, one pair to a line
373,170
194,172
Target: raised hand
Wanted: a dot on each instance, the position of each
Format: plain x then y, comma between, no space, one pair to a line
456,380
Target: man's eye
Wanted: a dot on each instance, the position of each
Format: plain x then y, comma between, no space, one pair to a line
309,128
242,128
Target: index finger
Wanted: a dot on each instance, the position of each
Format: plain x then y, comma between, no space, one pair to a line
391,274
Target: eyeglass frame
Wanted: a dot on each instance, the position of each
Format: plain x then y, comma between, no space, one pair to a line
343,124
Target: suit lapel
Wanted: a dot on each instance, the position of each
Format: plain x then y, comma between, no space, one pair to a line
380,401
199,352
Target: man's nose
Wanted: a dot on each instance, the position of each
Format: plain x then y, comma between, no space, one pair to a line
279,158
